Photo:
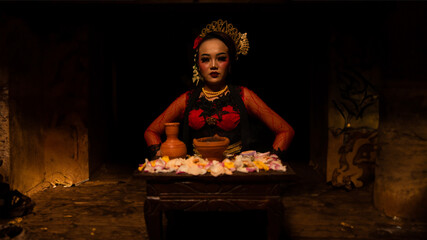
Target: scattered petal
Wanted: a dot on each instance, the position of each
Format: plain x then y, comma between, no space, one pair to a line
246,162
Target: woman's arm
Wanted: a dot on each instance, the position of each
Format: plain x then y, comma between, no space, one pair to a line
256,107
173,113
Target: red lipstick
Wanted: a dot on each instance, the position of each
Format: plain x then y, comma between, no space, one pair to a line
214,74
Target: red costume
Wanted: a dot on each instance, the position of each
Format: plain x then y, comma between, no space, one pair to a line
221,117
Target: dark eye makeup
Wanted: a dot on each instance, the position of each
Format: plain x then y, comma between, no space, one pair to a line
204,59
222,58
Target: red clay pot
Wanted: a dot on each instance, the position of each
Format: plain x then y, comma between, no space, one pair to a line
173,147
211,148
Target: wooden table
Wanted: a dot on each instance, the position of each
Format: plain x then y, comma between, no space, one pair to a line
237,192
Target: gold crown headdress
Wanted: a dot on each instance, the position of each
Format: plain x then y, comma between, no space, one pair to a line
240,40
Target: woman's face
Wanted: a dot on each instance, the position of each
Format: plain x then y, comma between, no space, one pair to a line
214,62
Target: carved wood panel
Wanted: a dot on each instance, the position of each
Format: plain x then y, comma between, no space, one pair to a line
206,189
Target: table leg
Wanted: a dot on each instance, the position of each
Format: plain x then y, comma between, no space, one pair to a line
275,219
153,219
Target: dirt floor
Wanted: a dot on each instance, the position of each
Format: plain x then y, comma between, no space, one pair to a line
110,206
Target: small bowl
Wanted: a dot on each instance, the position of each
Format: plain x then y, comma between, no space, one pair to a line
212,148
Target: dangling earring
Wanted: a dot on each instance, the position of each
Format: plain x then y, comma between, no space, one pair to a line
196,75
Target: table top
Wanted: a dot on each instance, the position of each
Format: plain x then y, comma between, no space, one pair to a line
261,176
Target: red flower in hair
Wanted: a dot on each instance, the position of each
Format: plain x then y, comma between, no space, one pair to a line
197,42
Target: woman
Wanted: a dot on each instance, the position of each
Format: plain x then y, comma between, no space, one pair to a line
214,106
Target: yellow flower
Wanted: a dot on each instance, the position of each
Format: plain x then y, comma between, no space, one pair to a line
229,164
165,158
141,167
201,165
261,165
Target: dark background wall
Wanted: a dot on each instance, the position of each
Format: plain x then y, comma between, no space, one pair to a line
124,63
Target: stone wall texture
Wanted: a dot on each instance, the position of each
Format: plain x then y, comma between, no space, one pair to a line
401,172
46,102
400,187
4,127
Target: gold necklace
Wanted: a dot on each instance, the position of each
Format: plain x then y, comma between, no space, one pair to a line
210,94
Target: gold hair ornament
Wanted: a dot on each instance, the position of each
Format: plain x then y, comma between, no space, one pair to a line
240,40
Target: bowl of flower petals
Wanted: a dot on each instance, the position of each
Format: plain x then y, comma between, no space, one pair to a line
211,148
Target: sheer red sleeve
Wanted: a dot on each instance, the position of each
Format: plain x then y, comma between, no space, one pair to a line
173,113
256,107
